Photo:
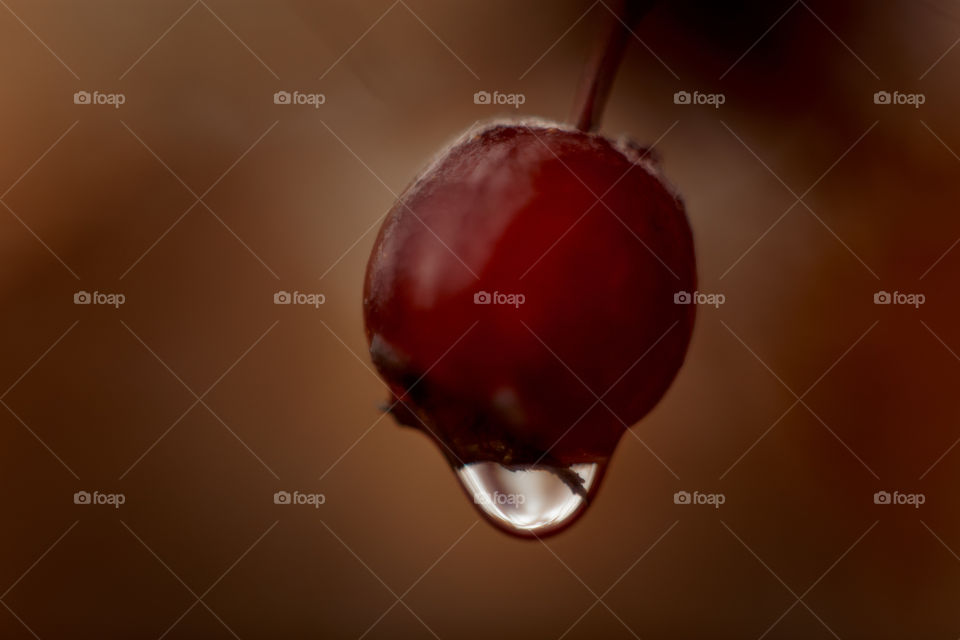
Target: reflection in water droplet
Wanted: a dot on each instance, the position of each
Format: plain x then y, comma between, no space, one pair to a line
530,500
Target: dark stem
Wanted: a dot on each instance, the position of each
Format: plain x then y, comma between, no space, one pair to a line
600,70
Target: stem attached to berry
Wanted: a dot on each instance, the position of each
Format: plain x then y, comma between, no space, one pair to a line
600,70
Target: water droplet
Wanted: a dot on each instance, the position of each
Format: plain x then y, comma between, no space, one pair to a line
528,500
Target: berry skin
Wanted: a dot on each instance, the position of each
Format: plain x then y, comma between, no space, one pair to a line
513,208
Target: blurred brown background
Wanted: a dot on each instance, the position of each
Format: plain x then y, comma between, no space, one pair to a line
199,398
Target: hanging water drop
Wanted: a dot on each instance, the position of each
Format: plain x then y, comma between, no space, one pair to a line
530,500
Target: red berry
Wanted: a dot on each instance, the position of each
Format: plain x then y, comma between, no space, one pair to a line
516,209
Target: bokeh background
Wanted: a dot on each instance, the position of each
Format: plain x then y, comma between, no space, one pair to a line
199,398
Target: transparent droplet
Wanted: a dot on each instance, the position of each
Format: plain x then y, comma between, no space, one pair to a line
533,499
